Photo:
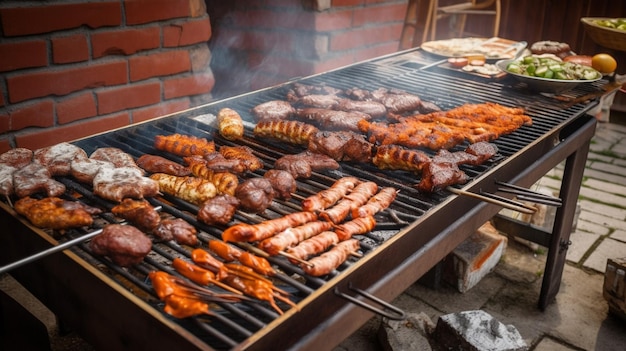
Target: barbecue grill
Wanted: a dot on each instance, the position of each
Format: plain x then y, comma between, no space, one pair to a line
115,308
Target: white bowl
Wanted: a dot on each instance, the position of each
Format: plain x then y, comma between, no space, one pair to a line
544,85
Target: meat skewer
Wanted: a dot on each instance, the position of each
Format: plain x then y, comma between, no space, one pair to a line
225,182
243,232
199,275
191,189
230,253
377,203
329,196
356,226
312,246
293,132
331,259
206,260
357,198
292,236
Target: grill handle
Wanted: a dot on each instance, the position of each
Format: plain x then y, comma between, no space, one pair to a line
390,311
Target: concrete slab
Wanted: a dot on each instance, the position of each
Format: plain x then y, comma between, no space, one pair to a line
610,188
608,248
581,243
602,196
611,178
589,227
602,220
619,235
603,209
547,344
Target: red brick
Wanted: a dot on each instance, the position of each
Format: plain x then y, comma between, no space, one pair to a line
39,114
144,11
5,145
1,98
5,123
365,36
70,49
379,14
121,98
71,132
336,20
125,42
187,33
271,19
162,109
190,85
65,81
24,54
76,107
159,64
53,17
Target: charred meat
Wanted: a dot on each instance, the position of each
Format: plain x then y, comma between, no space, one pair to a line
218,210
283,183
55,213
273,110
125,245
139,212
303,164
255,194
158,164
177,229
341,146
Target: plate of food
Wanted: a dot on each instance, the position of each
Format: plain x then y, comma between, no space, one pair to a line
548,73
491,48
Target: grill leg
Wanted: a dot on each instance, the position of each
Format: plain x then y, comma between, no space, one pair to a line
563,222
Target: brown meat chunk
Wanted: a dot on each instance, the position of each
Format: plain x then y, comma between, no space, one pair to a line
436,176
118,183
303,164
59,157
85,170
331,119
158,164
341,146
17,158
283,183
139,212
255,194
35,178
218,210
275,109
177,229
116,156
125,245
55,213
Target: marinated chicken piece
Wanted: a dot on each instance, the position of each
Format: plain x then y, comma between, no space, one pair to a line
341,146
244,155
283,183
116,156
373,109
292,236
205,260
55,213
158,164
115,184
273,110
218,210
436,176
328,197
331,259
85,170
243,232
293,132
17,158
35,178
6,179
313,246
190,189
397,157
326,119
255,195
376,203
184,145
303,164
230,124
225,182
125,245
57,158
139,212
231,253
177,229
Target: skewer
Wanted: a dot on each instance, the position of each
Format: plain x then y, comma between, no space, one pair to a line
297,259
529,195
55,249
496,200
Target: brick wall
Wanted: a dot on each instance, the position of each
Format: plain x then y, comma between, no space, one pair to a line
71,68
262,43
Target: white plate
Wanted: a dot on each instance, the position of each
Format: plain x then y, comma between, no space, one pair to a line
493,49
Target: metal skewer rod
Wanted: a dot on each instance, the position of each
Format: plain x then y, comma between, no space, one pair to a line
510,206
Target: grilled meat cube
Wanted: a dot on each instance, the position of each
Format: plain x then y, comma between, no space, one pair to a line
190,189
273,110
341,146
55,213
293,132
57,158
177,229
17,158
397,157
125,245
374,109
332,120
436,176
158,164
85,170
303,164
218,210
35,178
184,145
331,259
255,194
118,183
139,212
283,183
244,155
116,156
230,124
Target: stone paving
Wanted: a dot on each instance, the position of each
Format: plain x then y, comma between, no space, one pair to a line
579,318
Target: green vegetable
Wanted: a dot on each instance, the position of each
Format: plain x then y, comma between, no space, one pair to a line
550,68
